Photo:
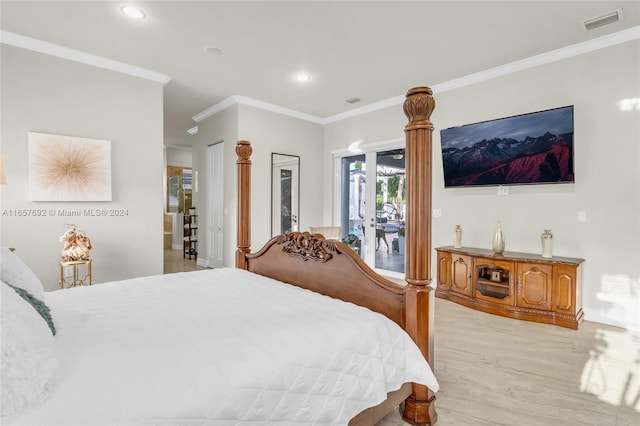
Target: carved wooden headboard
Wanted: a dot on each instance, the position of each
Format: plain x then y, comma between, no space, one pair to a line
329,267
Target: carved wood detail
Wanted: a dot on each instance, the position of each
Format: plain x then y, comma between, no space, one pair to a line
243,150
534,286
419,298
308,246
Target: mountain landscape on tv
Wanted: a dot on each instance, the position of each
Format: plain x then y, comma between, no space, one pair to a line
502,161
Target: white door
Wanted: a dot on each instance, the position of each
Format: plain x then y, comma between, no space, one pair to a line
285,178
216,204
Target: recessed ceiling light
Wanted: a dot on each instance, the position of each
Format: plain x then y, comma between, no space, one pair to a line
133,12
302,77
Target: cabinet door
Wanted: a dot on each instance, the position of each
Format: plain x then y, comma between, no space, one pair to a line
564,289
534,286
494,280
461,275
444,271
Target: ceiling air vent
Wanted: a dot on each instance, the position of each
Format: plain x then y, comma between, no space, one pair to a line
353,100
599,21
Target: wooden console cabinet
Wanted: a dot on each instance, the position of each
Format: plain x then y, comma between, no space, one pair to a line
516,285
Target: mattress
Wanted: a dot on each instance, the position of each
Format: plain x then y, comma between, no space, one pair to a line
218,347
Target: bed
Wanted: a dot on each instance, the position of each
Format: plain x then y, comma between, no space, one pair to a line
270,341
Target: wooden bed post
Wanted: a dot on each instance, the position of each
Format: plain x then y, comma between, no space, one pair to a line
243,150
419,408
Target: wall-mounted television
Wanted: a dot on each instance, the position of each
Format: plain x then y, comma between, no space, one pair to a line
534,148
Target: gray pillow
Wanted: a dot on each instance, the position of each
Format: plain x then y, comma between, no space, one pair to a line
15,272
38,305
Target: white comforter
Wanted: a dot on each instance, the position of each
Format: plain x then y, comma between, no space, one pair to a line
218,347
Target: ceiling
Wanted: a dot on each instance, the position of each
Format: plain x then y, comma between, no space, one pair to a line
372,50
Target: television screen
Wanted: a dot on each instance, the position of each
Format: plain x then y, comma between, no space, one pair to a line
524,149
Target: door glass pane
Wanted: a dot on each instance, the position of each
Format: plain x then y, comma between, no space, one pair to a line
353,201
285,201
390,210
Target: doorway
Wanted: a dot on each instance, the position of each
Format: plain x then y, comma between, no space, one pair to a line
376,227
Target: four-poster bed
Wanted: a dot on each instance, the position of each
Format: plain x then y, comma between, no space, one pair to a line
311,262
259,343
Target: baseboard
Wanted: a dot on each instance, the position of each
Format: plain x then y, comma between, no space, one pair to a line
202,262
176,247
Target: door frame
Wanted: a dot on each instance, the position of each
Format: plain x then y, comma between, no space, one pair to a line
215,203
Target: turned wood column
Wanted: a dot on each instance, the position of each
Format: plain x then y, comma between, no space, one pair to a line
243,150
418,106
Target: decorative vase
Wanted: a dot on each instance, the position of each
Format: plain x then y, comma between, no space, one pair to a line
547,243
458,237
498,240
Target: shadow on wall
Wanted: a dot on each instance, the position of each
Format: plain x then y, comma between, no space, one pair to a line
612,372
622,294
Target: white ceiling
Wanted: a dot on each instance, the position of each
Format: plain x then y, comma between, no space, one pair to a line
373,50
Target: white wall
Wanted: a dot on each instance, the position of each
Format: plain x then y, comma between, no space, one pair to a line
268,132
179,157
607,184
52,95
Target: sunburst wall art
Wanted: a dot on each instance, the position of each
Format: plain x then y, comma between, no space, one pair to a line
67,168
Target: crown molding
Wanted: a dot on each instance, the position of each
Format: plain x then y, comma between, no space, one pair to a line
542,59
29,43
245,100
216,108
608,40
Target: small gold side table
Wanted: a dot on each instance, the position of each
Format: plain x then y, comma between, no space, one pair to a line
87,280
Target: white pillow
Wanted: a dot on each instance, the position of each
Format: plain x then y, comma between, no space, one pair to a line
28,353
15,272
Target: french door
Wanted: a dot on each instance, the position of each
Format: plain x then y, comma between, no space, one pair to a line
371,206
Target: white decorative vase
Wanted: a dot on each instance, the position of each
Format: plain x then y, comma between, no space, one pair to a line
458,237
498,240
547,243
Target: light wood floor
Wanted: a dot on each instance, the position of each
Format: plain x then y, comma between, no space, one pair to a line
499,371
174,262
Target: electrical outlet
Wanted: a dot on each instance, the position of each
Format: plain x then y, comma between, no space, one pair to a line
437,213
503,190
